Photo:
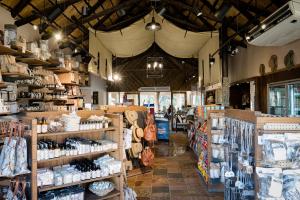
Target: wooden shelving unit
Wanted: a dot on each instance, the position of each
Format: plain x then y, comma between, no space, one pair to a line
47,188
211,187
113,133
111,195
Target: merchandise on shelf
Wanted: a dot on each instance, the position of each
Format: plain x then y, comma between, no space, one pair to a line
48,149
75,192
101,188
239,168
78,171
13,157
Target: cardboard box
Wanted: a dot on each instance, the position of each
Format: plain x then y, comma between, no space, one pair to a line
69,78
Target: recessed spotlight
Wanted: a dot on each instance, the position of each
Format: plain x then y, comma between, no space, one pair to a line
194,76
199,13
160,65
247,37
35,27
263,26
58,36
149,66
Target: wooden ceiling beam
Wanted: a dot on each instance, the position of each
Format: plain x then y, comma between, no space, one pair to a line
186,18
99,25
126,22
19,7
52,12
193,27
83,29
124,5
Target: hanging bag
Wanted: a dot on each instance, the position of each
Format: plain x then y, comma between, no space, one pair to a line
8,164
150,130
21,152
147,157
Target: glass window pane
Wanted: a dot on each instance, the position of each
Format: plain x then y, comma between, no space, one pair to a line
147,98
113,98
178,101
164,101
277,100
294,99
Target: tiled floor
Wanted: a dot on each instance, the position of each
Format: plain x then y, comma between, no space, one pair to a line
172,178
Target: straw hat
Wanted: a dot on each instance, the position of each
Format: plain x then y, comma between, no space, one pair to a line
131,116
136,148
137,133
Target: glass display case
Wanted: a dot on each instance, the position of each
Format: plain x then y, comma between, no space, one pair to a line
294,99
284,99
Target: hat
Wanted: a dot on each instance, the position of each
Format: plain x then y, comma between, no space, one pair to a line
136,148
131,116
137,133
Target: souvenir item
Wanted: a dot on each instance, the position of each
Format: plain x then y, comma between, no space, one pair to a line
147,157
131,116
101,188
150,130
136,149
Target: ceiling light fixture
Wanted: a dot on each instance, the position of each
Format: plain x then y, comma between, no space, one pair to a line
153,25
117,77
263,26
211,60
58,36
247,37
160,65
197,11
35,27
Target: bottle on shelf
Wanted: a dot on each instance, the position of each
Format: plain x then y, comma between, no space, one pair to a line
39,126
44,125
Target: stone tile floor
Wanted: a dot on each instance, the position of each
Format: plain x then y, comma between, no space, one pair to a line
172,177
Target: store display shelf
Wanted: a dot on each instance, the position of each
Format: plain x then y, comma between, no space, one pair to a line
47,188
76,156
75,96
75,132
70,84
8,113
277,131
29,99
14,51
3,85
16,75
38,62
110,195
31,86
58,70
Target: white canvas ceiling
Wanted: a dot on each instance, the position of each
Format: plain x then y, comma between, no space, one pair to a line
134,39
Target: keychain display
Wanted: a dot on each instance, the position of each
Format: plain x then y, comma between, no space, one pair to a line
239,156
281,150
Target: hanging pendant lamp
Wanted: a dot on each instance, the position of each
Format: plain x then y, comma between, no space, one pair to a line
153,25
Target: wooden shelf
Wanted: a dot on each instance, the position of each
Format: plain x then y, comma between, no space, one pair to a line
70,84
29,99
3,85
7,51
16,75
58,70
31,86
8,113
76,156
75,96
90,195
47,188
75,132
38,62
